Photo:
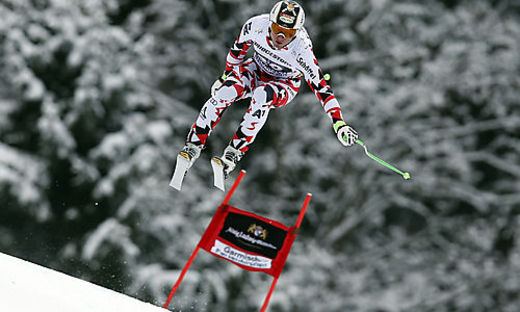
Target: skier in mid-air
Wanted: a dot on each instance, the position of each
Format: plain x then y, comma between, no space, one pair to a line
271,78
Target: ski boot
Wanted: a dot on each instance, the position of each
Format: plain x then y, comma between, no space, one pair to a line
222,166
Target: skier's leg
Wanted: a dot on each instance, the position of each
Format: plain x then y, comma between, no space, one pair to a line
269,95
212,111
265,97
254,118
208,118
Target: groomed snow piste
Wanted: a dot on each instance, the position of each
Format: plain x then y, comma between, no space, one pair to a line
27,287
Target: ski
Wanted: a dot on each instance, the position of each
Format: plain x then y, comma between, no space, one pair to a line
219,175
182,166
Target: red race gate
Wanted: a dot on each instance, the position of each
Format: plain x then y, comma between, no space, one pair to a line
250,241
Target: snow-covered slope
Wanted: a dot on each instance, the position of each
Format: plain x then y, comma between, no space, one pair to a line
26,287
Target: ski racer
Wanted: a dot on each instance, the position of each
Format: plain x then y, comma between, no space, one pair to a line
271,78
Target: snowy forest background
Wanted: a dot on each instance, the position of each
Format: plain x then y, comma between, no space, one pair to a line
96,97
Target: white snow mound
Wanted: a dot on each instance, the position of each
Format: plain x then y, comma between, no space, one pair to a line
27,287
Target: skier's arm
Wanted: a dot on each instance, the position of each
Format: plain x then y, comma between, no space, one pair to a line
238,51
323,91
319,85
236,55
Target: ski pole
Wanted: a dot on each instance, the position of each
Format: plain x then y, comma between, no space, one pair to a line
405,175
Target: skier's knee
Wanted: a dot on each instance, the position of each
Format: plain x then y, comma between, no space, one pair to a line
264,94
229,83
269,93
226,94
231,90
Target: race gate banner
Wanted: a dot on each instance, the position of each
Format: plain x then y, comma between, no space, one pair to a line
250,241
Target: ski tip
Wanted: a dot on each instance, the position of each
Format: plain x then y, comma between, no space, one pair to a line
175,186
219,183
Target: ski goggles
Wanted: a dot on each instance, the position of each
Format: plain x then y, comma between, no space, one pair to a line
287,32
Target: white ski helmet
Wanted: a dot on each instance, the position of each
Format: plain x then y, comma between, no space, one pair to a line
288,14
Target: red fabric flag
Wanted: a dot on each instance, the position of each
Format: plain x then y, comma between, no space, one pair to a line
250,241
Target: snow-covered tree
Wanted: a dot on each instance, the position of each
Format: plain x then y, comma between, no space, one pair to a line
96,98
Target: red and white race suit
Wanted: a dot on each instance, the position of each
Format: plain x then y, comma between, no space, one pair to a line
271,78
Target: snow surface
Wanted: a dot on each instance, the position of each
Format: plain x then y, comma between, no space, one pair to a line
27,287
